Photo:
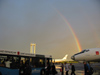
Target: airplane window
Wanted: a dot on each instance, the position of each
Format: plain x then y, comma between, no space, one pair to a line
87,50
83,51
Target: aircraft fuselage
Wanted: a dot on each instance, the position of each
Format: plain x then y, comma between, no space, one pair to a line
87,55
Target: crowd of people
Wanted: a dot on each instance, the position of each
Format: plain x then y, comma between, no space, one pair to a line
88,70
51,69
67,67
25,69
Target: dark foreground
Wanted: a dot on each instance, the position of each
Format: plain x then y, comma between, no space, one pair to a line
80,69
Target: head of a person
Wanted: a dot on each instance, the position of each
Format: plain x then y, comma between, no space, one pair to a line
65,62
70,63
27,64
84,62
88,62
6,59
62,63
47,64
21,61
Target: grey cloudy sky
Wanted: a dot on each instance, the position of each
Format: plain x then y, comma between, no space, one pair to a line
37,21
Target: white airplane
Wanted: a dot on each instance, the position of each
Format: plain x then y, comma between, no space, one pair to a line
61,60
92,55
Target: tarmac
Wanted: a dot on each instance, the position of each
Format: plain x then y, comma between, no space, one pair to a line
80,69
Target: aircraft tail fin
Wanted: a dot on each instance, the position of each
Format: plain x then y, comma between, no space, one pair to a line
65,57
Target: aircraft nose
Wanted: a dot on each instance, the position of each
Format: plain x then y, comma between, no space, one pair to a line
73,57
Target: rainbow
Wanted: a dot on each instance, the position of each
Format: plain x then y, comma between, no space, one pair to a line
72,31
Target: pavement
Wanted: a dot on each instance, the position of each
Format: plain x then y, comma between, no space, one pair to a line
80,69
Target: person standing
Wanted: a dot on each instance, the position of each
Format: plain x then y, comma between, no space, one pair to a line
62,69
53,69
73,69
28,69
7,63
66,68
21,69
90,69
86,71
48,69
